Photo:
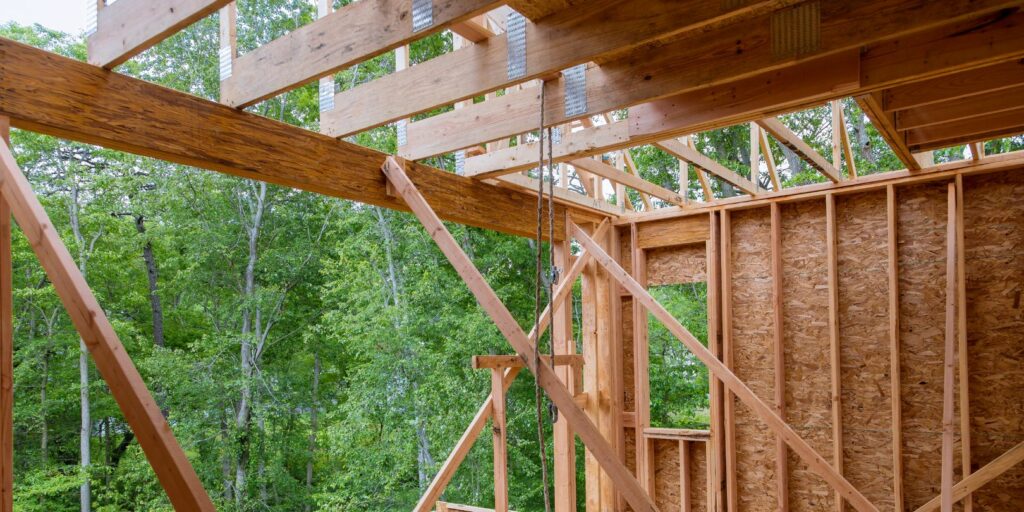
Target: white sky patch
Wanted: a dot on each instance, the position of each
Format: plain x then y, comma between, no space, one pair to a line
64,15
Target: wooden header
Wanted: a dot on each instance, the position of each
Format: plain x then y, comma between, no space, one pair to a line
514,361
682,434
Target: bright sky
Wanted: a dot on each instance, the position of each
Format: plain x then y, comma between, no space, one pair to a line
64,15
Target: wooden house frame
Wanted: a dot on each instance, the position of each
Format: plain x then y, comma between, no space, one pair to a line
865,333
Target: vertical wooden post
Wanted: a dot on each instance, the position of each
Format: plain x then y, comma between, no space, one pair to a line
949,359
730,402
641,377
684,179
6,348
563,343
755,157
769,160
616,386
499,437
961,309
590,378
605,371
715,454
228,32
837,137
781,452
833,336
685,494
894,348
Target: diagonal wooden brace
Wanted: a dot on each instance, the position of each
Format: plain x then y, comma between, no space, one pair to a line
624,481
731,382
476,426
979,478
166,457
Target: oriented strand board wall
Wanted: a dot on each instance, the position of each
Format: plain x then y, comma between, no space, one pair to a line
806,347
677,265
667,466
922,281
698,477
865,355
752,357
994,244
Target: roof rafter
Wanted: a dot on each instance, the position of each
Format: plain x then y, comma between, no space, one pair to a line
635,182
794,142
693,62
557,42
690,154
128,27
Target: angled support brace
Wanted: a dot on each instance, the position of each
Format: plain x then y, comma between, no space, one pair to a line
624,481
732,383
979,478
476,426
166,457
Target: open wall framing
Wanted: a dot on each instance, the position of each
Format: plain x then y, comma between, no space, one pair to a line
850,289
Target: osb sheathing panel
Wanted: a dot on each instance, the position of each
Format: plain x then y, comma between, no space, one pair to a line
698,477
994,245
752,356
677,265
862,248
808,407
666,474
921,231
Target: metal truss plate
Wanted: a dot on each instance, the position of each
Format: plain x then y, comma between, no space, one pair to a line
224,57
575,80
516,38
91,16
422,14
326,94
401,129
460,162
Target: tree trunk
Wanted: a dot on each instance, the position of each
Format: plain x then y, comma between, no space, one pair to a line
85,501
314,412
154,295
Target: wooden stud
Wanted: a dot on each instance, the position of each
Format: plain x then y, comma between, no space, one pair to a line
499,440
837,138
894,346
962,355
833,336
606,356
755,157
948,429
509,327
166,457
685,492
851,164
979,478
779,358
815,462
6,349
444,475
641,370
563,344
731,486
715,456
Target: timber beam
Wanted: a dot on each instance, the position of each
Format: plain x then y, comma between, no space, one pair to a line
54,95
128,27
354,33
567,38
898,40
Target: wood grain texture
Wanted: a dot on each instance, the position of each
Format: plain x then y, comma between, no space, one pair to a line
127,27
49,94
354,33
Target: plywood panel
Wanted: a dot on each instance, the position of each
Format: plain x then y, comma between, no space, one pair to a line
864,346
922,260
677,265
806,346
994,244
752,356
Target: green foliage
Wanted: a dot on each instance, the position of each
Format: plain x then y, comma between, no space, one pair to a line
678,380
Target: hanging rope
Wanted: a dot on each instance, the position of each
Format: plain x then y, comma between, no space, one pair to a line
538,282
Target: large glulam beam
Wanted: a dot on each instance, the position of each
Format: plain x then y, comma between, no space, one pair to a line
964,131
960,109
128,27
54,95
965,84
562,40
352,34
737,50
